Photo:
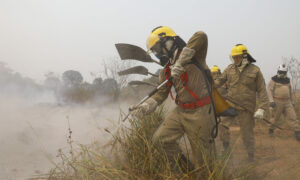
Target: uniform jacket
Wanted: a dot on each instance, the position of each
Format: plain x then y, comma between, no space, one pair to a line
244,87
196,81
279,90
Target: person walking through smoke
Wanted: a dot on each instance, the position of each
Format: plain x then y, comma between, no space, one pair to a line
282,101
245,84
194,113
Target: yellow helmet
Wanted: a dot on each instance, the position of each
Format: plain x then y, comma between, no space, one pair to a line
157,34
215,69
239,49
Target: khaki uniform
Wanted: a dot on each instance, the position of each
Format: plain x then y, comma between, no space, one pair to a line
196,123
243,89
281,94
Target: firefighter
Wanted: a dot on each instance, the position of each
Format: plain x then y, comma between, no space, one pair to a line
245,84
282,101
216,73
194,114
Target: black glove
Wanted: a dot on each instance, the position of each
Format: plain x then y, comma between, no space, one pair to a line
229,112
272,104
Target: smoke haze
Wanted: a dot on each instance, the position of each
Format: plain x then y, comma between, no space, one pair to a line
41,36
34,125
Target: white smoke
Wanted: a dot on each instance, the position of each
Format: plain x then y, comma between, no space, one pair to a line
34,126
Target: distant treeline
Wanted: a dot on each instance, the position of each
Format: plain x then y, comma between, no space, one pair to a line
69,88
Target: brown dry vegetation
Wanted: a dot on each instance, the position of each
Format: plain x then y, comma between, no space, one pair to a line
133,156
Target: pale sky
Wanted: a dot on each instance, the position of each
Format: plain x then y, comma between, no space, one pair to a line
38,36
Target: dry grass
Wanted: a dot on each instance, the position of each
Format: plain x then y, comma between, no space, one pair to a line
132,156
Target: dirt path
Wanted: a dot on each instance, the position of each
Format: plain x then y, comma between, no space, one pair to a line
277,158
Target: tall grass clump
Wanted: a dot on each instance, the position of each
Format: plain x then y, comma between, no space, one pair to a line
132,156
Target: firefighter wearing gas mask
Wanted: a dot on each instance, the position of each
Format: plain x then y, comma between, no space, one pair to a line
194,114
245,84
281,101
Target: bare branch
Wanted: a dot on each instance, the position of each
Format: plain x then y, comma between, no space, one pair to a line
111,68
293,65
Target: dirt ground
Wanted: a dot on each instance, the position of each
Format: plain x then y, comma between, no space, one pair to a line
276,158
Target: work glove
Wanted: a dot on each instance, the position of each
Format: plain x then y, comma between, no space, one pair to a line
176,71
259,114
144,109
272,104
185,57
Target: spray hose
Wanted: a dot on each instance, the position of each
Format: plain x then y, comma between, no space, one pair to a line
215,130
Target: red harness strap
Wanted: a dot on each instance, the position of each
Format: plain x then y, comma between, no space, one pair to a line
167,72
194,105
184,79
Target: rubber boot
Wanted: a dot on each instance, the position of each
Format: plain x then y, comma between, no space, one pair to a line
271,133
297,135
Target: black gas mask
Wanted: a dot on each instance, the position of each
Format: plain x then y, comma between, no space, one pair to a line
163,58
164,50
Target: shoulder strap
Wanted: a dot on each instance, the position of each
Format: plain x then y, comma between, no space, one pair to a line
167,73
184,79
208,82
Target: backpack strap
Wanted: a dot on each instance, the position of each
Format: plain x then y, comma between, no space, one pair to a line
184,79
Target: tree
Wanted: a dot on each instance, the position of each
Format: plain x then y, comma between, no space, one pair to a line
72,78
114,65
52,81
98,81
110,87
293,65
111,83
